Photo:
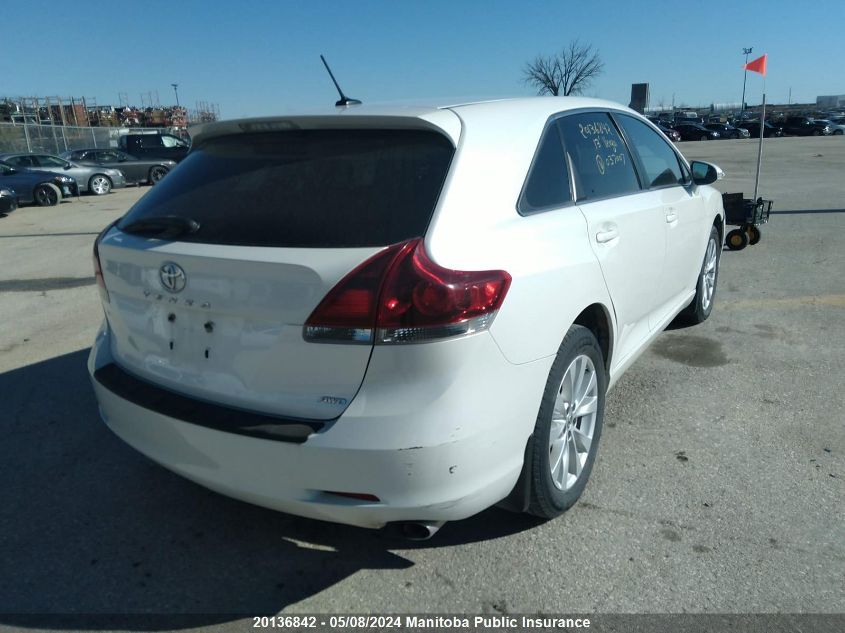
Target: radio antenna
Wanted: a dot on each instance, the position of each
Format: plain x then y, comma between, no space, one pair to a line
344,100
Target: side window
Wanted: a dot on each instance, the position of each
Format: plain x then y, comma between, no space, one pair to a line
658,160
151,140
50,161
548,179
21,161
601,162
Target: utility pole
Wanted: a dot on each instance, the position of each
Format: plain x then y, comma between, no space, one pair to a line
176,92
746,52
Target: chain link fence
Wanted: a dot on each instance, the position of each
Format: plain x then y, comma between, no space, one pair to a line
54,139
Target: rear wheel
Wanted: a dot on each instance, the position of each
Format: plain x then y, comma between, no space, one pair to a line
157,173
705,290
736,240
753,235
99,185
568,428
47,195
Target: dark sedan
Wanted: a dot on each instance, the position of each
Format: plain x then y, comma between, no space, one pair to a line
769,130
695,132
39,187
8,200
673,135
727,131
136,170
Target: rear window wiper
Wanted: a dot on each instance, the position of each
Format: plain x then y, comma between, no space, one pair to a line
165,226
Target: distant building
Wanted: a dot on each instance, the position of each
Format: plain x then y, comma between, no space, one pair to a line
831,101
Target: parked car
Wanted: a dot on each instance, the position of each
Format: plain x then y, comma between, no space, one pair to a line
695,132
666,127
38,187
672,133
728,131
769,129
8,200
277,331
804,126
136,170
96,180
152,146
836,129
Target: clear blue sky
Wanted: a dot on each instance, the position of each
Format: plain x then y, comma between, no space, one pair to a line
256,58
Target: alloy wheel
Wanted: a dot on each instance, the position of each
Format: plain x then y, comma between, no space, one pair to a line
573,422
708,275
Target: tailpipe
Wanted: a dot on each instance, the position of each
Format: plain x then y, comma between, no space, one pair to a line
418,530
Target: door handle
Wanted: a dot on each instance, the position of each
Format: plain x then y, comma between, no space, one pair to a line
610,233
671,214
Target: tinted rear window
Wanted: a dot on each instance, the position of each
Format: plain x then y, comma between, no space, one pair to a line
305,188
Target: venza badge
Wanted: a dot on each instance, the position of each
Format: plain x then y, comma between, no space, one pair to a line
172,277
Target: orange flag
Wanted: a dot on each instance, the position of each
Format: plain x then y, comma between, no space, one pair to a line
758,65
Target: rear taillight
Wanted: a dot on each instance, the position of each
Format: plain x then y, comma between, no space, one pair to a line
98,269
400,296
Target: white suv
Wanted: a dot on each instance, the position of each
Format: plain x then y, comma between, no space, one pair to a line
399,315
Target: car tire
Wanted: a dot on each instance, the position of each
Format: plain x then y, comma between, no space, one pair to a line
816,133
157,173
701,305
564,444
47,195
753,235
736,240
837,132
735,136
99,185
703,138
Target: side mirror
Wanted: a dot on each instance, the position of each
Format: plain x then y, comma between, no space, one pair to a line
705,173
68,165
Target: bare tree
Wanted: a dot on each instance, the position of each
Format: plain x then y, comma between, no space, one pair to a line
569,72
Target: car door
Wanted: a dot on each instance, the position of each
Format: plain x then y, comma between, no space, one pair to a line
625,223
683,211
134,169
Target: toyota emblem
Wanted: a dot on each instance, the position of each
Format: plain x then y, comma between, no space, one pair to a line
172,277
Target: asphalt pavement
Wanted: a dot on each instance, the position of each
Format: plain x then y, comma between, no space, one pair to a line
718,486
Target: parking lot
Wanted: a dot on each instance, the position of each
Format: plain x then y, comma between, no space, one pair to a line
718,486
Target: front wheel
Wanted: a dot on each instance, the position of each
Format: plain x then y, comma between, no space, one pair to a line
47,195
157,173
569,423
703,138
753,235
705,289
816,132
837,133
99,185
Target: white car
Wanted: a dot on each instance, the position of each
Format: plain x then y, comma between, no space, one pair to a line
380,315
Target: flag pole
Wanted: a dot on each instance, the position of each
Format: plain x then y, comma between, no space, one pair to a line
760,148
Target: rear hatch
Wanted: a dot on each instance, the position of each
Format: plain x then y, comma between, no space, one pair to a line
212,274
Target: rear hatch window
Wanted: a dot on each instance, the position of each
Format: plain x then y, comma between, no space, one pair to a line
305,188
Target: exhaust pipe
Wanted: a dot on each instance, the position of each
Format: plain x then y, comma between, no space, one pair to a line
419,530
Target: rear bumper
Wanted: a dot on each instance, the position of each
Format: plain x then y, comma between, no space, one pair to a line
440,453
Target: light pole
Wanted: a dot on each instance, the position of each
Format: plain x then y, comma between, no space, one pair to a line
176,92
746,52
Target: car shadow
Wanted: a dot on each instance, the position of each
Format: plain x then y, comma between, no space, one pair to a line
95,536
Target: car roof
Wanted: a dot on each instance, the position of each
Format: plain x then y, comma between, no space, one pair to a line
446,117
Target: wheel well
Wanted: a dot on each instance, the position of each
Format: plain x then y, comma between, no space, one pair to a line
719,223
596,319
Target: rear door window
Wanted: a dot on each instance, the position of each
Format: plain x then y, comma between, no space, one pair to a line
305,188
602,165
